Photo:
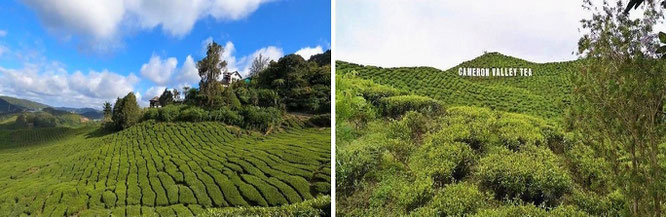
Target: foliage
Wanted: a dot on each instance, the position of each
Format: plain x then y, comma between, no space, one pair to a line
303,86
166,98
319,206
532,175
619,94
126,112
455,200
396,106
210,68
180,168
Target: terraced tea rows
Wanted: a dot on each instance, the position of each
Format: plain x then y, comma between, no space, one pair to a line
166,169
546,94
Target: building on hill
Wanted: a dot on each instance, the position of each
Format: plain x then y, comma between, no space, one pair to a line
230,77
155,102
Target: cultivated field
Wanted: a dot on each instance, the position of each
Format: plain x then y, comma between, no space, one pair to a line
161,169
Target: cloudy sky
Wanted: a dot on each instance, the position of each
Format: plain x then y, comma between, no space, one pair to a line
80,53
443,34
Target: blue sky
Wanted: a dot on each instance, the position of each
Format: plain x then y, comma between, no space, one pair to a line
79,53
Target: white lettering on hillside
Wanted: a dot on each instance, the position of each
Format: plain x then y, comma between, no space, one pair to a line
495,72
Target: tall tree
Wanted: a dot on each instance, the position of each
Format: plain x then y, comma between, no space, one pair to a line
618,100
176,94
166,98
258,64
108,111
210,68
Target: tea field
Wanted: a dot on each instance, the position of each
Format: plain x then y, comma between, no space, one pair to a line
418,141
160,169
546,94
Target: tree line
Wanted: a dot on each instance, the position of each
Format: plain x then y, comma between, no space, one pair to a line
272,88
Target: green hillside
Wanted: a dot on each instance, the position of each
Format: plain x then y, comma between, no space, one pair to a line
160,168
546,94
420,141
10,104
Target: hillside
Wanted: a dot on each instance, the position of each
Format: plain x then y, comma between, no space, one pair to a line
546,94
10,104
420,141
159,168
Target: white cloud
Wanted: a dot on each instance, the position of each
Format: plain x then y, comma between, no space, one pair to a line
189,74
3,33
102,22
445,33
98,19
307,52
159,71
242,64
153,92
228,55
270,53
53,85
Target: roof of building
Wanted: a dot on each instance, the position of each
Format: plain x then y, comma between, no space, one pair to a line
157,98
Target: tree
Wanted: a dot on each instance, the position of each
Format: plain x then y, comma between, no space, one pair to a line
126,112
210,68
166,98
108,111
176,95
618,100
258,64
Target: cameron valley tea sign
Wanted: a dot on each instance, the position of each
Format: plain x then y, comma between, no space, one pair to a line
495,72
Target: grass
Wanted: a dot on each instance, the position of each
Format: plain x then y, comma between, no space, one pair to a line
162,168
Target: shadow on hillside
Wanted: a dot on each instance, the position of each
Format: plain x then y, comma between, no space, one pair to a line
99,132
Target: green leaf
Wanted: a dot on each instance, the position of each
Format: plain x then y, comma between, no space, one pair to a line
662,37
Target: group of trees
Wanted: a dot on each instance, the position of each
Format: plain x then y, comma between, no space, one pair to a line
290,84
125,112
619,100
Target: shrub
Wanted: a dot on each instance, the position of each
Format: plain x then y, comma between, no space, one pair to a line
513,210
354,109
376,92
323,120
459,199
268,98
109,199
401,193
320,206
170,113
194,114
396,106
151,114
443,162
515,130
260,118
588,170
186,195
355,160
532,175
612,204
227,116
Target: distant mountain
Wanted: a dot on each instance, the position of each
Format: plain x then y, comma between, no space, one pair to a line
89,113
11,104
16,105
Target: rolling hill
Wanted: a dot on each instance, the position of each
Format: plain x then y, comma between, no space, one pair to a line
546,94
165,169
11,104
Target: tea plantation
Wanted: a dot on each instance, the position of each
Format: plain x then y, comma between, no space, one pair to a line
546,94
162,169
424,142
